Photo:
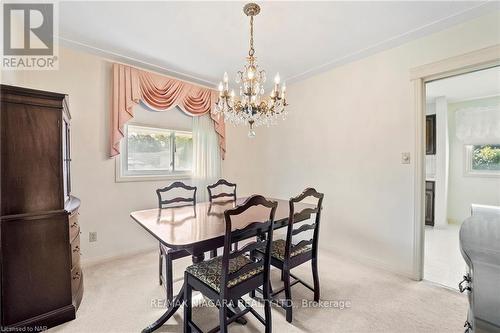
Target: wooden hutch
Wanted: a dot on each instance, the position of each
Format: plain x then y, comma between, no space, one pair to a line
41,278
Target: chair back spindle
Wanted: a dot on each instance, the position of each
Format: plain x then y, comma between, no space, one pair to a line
290,247
221,183
181,200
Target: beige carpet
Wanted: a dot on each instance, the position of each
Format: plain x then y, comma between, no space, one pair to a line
120,295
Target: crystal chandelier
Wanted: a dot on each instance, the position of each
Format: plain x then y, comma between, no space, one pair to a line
252,107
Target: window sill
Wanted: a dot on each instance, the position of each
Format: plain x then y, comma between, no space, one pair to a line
119,178
127,179
483,174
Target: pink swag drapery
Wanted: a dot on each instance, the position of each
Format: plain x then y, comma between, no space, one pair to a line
131,85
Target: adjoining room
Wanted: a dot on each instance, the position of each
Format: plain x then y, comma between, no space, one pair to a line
462,164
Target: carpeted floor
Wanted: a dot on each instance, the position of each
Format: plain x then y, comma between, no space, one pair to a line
123,296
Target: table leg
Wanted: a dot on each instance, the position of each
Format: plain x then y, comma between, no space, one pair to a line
199,257
173,307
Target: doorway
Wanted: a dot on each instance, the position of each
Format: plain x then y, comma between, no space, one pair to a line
473,61
462,164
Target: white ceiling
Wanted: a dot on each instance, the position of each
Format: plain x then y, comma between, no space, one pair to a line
200,40
474,85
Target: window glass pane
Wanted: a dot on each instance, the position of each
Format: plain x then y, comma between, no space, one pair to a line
183,151
486,157
149,149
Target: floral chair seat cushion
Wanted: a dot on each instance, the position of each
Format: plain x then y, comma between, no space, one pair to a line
209,272
278,249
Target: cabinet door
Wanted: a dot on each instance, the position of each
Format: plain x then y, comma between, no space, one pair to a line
31,159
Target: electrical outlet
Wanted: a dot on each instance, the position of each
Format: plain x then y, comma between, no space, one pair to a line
405,158
93,236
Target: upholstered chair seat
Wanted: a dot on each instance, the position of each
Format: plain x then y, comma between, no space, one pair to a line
278,249
210,271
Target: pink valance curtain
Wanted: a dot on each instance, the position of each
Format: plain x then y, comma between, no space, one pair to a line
131,85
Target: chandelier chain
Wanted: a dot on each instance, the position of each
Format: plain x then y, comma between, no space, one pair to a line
252,50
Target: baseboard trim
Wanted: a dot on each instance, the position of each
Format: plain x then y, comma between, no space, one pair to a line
372,262
358,258
44,321
104,259
435,284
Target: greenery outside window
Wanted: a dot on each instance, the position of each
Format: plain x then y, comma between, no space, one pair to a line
482,160
151,153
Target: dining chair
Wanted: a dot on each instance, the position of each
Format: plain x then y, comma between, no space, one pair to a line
220,183
225,279
286,254
213,195
169,254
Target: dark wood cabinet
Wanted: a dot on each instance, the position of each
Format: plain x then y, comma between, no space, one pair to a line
429,202
430,134
41,279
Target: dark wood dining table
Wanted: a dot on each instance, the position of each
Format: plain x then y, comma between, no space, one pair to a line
200,228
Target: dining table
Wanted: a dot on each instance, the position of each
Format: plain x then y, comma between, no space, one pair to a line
200,228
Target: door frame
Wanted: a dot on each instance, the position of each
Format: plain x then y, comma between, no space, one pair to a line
419,76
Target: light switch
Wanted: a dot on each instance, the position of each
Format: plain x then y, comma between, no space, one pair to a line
405,158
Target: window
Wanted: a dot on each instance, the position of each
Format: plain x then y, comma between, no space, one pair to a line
150,153
482,160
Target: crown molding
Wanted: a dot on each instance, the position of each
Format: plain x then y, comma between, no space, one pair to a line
424,30
140,64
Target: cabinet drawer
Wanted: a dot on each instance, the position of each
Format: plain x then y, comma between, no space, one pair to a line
75,252
74,226
76,278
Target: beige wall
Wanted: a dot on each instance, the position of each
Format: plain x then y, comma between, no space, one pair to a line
345,134
105,204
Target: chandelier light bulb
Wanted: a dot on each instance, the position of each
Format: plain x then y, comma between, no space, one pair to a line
226,78
251,72
232,93
221,87
277,78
